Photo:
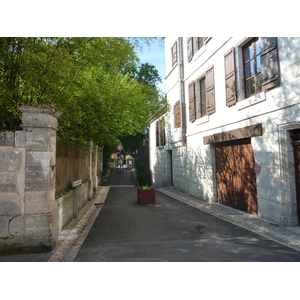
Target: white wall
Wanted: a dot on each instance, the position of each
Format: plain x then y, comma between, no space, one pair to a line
277,110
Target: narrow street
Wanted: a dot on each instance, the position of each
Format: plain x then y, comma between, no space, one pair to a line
177,228
170,231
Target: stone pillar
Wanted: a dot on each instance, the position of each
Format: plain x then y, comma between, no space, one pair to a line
40,208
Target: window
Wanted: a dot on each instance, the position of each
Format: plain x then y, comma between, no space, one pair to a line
202,103
260,68
194,44
174,54
177,115
252,67
160,133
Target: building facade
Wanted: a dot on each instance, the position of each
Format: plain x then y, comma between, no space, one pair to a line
232,134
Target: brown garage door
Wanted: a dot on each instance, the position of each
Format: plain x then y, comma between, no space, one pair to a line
236,180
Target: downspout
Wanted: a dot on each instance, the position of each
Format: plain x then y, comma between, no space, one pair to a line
181,90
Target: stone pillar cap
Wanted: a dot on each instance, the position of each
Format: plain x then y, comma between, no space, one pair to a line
41,109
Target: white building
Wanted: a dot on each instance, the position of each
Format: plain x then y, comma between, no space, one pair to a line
231,134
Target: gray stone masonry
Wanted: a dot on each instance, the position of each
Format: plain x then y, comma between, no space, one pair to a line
28,210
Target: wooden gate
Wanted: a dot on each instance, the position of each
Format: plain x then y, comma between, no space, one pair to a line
236,180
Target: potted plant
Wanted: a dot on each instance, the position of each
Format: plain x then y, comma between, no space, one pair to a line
146,194
112,161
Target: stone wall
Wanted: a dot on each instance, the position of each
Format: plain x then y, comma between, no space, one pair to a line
70,204
30,214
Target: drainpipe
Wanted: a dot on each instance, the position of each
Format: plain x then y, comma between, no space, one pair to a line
181,89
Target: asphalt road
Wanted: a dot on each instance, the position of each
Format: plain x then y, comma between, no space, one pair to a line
171,231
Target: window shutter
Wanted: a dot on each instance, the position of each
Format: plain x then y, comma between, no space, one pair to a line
269,62
163,133
192,109
210,91
174,54
199,42
206,39
190,48
157,134
177,114
230,79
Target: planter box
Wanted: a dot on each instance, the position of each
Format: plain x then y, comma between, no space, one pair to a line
146,197
112,164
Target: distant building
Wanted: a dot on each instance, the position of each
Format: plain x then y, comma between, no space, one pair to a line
232,135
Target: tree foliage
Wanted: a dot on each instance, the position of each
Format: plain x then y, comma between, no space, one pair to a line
91,80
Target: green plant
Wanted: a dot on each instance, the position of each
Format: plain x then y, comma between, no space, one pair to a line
114,156
147,187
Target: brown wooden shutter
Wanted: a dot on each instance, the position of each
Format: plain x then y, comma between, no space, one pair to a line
269,62
190,48
177,114
230,78
192,109
210,91
163,132
206,39
174,54
199,42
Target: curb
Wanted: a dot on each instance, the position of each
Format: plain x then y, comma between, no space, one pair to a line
71,239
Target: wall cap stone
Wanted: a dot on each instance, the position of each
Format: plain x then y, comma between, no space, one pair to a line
41,109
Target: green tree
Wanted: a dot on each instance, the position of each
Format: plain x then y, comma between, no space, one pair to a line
138,143
83,77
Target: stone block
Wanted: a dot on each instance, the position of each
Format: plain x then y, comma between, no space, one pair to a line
8,183
37,140
10,159
287,221
37,202
4,226
20,138
36,181
16,226
37,162
10,204
7,138
41,229
267,207
31,120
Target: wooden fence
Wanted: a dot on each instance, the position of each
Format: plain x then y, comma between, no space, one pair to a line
72,163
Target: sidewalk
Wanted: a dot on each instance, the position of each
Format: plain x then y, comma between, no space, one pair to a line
287,236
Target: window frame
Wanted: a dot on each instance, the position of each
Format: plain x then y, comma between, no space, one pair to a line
255,74
270,73
194,44
196,99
